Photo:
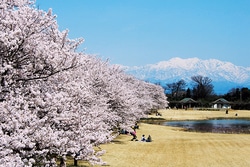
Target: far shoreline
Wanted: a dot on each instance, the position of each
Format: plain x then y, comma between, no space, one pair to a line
181,115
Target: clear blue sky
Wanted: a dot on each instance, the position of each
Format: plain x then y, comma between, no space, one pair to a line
140,32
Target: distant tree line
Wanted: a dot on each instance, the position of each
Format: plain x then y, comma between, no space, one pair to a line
202,90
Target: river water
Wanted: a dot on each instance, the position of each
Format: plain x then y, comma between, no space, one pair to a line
214,125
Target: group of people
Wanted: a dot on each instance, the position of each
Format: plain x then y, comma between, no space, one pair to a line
133,133
143,139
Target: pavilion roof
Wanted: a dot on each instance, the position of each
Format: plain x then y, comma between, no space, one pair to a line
221,101
188,100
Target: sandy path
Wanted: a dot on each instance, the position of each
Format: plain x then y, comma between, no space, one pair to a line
172,147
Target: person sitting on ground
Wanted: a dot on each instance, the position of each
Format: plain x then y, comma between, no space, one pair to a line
149,139
136,126
158,114
143,138
123,131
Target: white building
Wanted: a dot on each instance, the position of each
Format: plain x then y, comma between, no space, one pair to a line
221,103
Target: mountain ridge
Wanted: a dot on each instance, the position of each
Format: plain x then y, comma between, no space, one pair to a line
222,73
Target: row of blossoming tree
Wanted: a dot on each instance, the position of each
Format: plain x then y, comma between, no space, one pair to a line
55,101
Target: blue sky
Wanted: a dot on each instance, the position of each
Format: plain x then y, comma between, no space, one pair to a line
140,32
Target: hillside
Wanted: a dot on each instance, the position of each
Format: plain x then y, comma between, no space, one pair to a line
225,75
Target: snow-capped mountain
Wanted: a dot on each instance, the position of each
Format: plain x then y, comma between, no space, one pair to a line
225,75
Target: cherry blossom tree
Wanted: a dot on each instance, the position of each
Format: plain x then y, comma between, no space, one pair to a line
32,51
55,101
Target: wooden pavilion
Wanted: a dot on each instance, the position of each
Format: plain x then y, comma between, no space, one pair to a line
188,103
221,103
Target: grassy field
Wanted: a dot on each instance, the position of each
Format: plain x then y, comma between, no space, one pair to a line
172,147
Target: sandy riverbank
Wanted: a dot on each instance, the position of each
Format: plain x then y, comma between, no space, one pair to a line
172,147
200,115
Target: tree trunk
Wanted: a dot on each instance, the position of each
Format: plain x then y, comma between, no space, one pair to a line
62,163
75,162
